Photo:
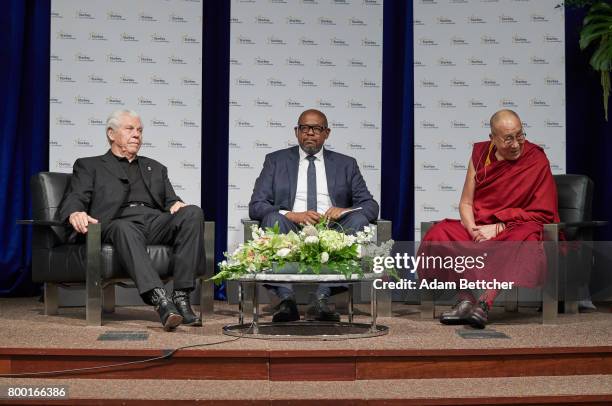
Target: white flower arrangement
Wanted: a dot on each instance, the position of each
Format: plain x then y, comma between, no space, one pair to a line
311,248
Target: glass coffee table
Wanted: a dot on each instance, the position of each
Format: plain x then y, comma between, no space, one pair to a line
306,330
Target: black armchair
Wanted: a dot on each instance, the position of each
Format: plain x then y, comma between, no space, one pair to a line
57,261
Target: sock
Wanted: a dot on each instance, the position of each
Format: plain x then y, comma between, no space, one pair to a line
465,294
489,296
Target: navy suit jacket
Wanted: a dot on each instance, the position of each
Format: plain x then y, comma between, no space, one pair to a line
99,186
276,186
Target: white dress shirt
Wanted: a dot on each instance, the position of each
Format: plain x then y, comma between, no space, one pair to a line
323,199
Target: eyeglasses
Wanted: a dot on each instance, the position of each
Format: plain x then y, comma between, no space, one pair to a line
305,129
520,138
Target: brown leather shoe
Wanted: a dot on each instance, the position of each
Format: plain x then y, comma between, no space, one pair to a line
459,314
480,315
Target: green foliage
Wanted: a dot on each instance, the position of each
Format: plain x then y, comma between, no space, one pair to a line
597,31
312,249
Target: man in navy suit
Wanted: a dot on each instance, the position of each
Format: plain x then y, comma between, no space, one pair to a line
298,186
132,197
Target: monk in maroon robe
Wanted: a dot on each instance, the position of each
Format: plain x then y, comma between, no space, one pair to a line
509,193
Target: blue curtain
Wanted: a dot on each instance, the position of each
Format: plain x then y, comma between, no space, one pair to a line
397,169
215,116
589,136
24,119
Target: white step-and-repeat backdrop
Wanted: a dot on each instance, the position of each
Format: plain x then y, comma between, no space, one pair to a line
143,55
472,58
289,56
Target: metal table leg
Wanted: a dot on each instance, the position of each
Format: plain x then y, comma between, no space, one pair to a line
350,303
255,310
240,304
374,309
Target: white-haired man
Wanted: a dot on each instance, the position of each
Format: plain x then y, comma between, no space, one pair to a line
133,199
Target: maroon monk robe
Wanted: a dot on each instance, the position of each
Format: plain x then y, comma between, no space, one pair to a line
520,193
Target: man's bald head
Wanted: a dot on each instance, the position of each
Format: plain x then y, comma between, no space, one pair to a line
313,111
507,134
503,115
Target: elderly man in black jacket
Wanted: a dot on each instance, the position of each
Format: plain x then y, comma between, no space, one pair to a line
132,197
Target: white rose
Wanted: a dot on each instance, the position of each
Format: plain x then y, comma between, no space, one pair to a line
283,252
311,239
324,257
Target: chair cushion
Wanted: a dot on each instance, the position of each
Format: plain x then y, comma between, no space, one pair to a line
68,263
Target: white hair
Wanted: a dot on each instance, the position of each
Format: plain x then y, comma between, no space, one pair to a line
114,120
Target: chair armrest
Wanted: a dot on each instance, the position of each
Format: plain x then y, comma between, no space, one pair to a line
249,222
551,231
51,223
425,226
580,224
209,248
246,228
93,281
384,229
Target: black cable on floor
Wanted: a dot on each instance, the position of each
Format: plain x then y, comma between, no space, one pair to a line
167,355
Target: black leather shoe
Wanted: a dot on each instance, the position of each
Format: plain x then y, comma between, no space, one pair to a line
168,313
287,311
320,311
181,301
459,314
480,315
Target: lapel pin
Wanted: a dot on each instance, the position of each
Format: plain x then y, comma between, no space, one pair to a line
148,167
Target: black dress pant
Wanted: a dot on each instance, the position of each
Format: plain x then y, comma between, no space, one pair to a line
137,227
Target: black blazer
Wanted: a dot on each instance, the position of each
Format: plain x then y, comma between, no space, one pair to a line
276,186
99,186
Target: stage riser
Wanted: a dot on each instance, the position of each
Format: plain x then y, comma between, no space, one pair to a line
587,400
483,367
316,365
178,368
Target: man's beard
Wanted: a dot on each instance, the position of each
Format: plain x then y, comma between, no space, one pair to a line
311,150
